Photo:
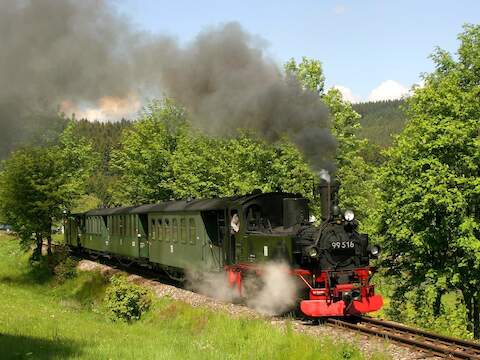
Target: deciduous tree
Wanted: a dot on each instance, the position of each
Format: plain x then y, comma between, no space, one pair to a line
144,160
39,184
431,183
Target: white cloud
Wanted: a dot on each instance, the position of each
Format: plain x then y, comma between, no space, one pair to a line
339,9
388,90
347,93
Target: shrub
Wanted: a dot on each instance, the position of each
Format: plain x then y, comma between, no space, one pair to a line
126,301
65,269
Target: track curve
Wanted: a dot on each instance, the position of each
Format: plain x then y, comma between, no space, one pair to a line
438,345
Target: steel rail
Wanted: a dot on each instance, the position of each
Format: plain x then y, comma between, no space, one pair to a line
415,338
442,338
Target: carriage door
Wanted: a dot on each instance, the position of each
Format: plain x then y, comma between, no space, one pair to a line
142,236
234,230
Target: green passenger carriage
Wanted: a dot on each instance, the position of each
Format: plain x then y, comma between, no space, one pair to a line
186,234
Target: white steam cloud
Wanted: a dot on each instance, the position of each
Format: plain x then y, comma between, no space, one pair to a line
325,175
273,293
279,292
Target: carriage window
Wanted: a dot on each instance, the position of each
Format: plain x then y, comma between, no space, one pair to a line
254,218
192,231
183,230
159,230
133,232
153,230
174,230
168,233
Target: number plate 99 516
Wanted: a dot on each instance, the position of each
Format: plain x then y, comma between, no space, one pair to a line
343,244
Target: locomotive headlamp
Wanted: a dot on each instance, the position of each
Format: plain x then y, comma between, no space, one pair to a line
349,215
375,250
312,252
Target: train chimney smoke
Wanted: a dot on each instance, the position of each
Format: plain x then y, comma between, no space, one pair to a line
88,52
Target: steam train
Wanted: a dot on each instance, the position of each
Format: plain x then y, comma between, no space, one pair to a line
236,235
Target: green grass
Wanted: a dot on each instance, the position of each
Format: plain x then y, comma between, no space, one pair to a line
44,319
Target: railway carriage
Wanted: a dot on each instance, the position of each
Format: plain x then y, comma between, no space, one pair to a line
237,235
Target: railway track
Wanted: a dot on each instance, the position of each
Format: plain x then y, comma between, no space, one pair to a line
434,344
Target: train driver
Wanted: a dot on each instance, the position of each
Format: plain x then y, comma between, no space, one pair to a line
235,223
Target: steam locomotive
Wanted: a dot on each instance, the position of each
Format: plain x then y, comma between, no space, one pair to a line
237,235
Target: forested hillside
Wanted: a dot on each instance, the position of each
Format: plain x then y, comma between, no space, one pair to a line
105,136
380,120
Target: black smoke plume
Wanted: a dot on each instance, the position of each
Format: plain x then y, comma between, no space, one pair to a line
57,52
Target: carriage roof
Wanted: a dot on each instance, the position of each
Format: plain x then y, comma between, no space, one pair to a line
184,205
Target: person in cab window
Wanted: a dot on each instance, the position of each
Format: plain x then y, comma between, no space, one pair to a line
235,223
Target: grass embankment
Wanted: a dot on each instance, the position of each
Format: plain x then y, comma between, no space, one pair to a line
43,319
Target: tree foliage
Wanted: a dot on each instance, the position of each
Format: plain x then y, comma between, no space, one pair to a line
431,182
309,73
144,159
38,184
162,157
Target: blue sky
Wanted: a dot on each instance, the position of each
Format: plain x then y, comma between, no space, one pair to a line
361,44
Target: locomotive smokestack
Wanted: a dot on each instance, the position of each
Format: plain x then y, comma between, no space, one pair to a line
328,192
324,190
